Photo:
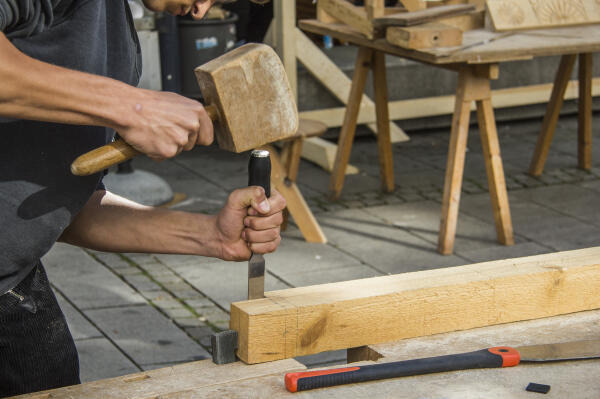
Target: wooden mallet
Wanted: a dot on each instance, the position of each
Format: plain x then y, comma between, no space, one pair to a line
248,97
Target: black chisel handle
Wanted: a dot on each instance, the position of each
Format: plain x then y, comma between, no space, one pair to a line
259,170
501,356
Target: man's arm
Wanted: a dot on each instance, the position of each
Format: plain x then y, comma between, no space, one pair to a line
159,124
114,224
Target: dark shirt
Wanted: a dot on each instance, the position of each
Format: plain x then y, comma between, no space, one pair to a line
39,197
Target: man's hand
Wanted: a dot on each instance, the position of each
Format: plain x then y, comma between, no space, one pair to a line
163,124
249,222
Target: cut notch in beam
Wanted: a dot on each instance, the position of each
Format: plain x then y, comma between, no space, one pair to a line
307,320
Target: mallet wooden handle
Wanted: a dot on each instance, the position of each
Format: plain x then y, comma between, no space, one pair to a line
114,153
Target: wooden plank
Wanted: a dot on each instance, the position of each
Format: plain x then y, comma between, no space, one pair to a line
414,5
349,314
424,36
473,20
544,140
444,105
324,16
423,16
375,8
527,14
481,46
336,81
495,171
584,142
384,144
354,16
346,139
168,380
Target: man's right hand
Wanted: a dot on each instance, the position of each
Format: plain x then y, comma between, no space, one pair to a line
162,124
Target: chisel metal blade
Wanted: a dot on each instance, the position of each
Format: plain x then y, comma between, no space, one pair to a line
256,277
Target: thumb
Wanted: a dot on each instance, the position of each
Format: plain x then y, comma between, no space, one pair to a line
253,196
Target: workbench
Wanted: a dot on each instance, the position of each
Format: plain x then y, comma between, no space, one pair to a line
203,379
476,63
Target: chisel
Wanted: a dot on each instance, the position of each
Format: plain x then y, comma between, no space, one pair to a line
259,174
500,356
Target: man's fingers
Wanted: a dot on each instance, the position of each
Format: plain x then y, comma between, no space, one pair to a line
253,196
276,202
263,222
206,133
265,247
262,236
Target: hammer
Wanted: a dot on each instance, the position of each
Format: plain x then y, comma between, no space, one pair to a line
248,97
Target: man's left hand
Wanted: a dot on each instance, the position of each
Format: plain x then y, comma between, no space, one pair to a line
250,223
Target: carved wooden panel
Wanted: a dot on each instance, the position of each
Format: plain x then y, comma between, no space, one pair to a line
532,14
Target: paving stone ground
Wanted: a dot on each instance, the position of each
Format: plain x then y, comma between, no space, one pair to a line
131,312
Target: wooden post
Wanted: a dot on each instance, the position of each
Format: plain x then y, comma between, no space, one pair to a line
552,112
473,85
584,146
361,68
384,144
285,28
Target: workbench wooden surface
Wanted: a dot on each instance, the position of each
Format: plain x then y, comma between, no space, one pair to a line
573,380
479,45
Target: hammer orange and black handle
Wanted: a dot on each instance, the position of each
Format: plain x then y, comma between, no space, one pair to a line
501,356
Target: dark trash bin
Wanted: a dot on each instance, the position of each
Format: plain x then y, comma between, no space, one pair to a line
199,42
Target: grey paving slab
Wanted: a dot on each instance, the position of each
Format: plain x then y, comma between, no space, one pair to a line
79,326
539,223
87,283
99,359
568,199
146,335
497,252
295,255
423,219
387,248
225,282
329,275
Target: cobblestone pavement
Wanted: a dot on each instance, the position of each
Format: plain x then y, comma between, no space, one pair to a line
130,312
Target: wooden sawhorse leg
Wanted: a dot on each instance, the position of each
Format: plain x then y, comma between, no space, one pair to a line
365,60
474,85
584,145
297,206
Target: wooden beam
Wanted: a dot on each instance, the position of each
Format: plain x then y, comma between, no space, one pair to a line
444,105
322,152
306,320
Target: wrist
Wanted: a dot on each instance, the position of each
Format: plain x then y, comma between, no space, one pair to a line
208,241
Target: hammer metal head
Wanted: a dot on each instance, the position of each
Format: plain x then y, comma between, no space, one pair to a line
250,89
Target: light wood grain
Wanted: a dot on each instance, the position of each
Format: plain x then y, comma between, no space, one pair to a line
534,14
414,5
542,147
424,36
342,315
495,171
456,162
